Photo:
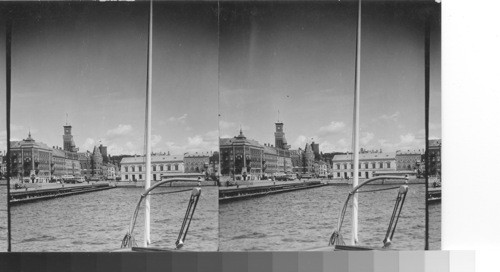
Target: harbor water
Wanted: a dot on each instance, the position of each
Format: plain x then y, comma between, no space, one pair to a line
98,221
290,221
305,219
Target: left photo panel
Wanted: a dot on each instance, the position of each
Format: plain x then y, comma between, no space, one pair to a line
113,126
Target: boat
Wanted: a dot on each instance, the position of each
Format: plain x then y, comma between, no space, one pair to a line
434,195
129,241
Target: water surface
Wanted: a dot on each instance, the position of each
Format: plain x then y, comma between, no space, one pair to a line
304,219
98,221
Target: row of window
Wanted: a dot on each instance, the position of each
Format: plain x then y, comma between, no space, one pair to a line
366,165
139,177
350,175
139,168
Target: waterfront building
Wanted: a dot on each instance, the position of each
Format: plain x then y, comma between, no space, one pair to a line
213,163
97,170
320,169
30,159
308,159
58,168
196,163
270,160
108,171
435,156
408,160
64,163
240,155
134,168
370,165
85,159
296,156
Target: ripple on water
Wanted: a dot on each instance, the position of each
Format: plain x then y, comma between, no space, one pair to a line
98,221
309,217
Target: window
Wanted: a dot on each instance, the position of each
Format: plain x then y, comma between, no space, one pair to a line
126,177
126,169
373,165
140,168
168,167
388,165
154,168
176,167
161,167
381,165
154,176
132,169
366,165
140,176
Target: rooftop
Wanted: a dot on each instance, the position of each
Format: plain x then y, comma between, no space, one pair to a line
366,156
154,159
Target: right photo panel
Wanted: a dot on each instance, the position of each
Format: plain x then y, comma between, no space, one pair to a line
329,125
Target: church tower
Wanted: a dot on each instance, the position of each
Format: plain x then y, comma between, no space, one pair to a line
69,143
279,137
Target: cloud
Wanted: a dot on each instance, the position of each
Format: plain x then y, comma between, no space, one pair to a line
197,143
367,138
406,142
179,120
393,117
301,141
408,138
225,125
212,135
343,144
332,127
155,139
88,145
120,130
16,127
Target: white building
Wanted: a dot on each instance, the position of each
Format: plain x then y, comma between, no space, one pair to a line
369,164
134,168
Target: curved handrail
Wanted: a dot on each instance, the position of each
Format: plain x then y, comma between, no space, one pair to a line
336,233
128,239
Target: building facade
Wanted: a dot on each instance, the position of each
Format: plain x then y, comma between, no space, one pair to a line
196,163
240,155
435,157
85,159
408,160
30,159
370,165
134,168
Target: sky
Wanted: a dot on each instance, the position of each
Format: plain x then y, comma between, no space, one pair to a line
299,58
85,64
